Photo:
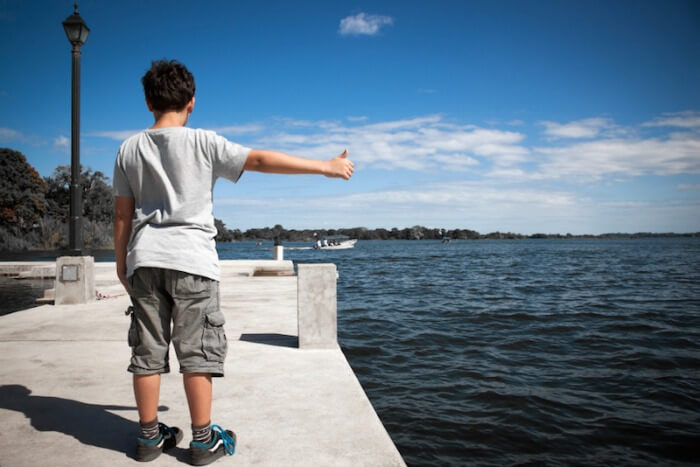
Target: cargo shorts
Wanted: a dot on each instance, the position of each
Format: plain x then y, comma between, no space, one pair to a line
190,303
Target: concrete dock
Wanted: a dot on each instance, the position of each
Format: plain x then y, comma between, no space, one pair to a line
66,398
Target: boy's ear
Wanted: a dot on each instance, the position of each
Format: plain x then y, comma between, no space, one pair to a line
148,104
190,105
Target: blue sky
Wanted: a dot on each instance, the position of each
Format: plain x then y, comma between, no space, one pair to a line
525,116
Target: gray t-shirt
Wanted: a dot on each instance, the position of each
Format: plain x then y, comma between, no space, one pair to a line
170,172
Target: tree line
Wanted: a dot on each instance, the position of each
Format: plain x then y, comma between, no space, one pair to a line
417,232
34,210
34,215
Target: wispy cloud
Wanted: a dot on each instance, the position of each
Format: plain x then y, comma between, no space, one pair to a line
587,128
238,129
426,91
493,177
363,24
420,143
675,154
580,151
475,204
61,142
118,135
8,134
687,119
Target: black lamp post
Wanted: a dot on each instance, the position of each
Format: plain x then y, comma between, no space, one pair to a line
77,32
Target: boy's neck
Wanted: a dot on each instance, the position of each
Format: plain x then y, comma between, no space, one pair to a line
170,118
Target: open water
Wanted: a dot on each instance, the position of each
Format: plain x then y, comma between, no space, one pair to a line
501,352
539,352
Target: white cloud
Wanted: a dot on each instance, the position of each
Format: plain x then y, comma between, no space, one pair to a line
61,142
687,119
426,91
363,24
432,143
478,205
419,143
118,135
677,153
8,134
436,144
456,162
462,195
511,184
238,129
587,128
688,187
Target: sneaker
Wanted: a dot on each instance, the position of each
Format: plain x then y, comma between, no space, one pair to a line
222,442
149,449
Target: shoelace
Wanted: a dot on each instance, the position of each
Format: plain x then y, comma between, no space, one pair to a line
229,443
163,427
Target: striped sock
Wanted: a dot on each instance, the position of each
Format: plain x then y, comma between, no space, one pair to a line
150,430
202,434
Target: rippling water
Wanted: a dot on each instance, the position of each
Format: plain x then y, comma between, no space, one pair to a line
16,295
502,352
525,352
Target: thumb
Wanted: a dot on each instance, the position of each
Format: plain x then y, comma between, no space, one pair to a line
344,154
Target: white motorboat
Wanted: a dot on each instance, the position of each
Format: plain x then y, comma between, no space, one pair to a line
337,242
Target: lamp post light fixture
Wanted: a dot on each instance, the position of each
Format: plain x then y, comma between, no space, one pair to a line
77,32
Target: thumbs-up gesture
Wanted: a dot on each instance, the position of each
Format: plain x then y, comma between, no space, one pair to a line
340,167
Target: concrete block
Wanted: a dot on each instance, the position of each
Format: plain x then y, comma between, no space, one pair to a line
317,307
278,253
75,280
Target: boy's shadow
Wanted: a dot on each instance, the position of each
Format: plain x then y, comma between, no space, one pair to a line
90,424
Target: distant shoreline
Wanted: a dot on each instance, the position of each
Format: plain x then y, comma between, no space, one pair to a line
108,254
412,233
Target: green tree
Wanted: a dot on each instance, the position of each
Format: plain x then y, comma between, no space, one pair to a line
98,202
22,193
222,233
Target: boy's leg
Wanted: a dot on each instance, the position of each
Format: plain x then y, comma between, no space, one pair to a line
149,337
198,388
147,393
200,343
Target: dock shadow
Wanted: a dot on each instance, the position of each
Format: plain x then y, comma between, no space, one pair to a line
271,338
91,424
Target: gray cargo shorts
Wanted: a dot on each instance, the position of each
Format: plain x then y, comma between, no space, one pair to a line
191,303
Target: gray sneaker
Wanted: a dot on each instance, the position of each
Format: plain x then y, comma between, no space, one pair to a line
222,442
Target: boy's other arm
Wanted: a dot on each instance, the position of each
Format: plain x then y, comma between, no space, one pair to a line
280,163
123,214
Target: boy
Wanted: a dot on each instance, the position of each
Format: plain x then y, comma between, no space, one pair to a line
166,257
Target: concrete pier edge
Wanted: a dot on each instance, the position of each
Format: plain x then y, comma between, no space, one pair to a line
65,396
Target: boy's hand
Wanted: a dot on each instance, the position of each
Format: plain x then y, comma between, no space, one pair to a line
340,167
123,279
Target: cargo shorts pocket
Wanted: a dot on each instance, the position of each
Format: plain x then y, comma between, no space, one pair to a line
191,286
140,283
214,344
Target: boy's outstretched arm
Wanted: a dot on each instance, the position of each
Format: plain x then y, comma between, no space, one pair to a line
123,213
280,163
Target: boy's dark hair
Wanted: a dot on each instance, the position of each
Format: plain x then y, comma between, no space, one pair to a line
168,85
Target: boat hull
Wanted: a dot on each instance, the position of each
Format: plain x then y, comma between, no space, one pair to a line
346,245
